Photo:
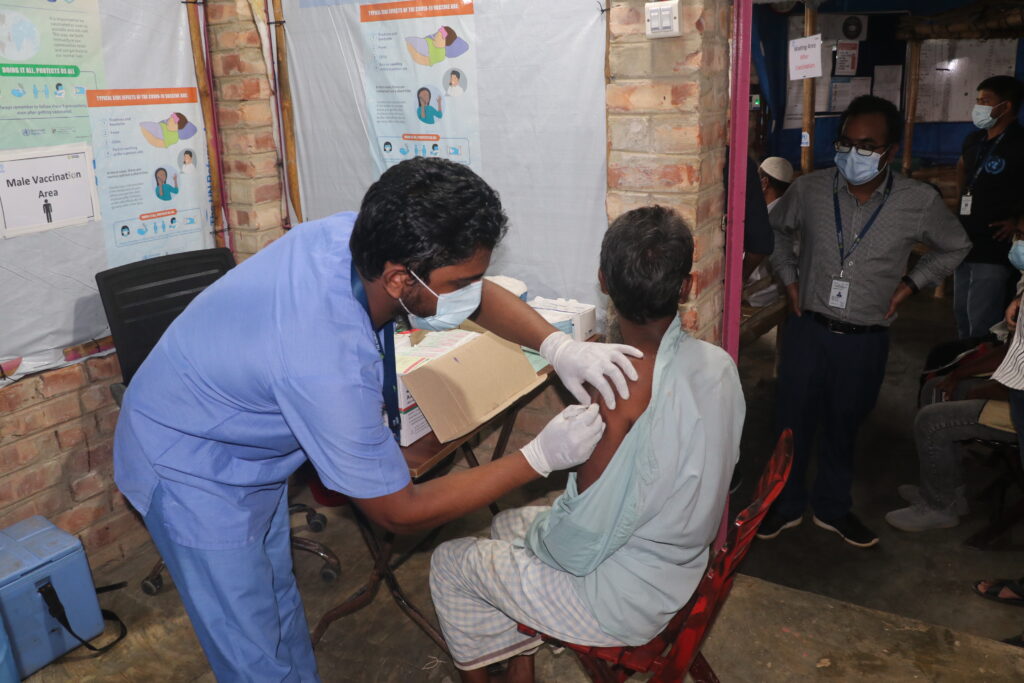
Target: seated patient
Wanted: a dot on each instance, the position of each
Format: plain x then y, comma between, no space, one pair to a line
624,547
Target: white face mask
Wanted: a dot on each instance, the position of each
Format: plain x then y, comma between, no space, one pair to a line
452,307
859,169
981,115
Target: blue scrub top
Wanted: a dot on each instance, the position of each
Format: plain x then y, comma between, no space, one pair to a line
274,363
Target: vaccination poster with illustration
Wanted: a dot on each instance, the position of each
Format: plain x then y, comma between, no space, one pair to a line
50,55
152,171
420,84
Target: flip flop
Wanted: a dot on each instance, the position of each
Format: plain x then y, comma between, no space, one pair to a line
997,586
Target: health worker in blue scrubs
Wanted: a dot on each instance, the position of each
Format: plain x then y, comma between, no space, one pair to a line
283,360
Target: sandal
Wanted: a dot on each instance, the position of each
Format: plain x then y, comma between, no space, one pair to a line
1016,641
997,586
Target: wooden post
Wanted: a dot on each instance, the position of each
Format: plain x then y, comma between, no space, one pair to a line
807,151
206,100
913,82
284,96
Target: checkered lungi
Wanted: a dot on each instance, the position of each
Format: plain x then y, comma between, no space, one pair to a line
482,587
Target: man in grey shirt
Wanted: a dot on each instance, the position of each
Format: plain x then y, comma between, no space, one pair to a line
857,224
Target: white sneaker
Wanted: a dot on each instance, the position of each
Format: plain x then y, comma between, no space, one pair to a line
920,517
912,494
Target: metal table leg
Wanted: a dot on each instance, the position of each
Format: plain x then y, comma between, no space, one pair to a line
381,552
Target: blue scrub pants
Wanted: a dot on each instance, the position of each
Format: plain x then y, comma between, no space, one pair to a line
243,602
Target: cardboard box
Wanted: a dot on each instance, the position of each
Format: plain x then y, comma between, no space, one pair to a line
453,382
584,316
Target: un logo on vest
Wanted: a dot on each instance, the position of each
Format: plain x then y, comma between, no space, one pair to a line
995,165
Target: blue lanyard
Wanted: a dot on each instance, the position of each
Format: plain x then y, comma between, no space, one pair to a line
387,354
981,166
840,240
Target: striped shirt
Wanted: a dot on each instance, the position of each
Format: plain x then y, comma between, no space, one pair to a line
1011,371
914,212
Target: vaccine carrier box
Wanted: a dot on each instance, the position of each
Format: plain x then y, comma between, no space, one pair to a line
34,553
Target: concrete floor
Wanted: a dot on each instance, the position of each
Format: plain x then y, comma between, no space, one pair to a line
811,607
925,576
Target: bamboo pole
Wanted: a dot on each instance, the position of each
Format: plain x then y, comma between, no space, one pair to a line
913,84
284,97
206,100
807,151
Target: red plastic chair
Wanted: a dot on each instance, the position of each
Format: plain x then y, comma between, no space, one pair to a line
676,650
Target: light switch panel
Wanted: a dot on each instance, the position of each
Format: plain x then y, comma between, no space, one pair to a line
661,19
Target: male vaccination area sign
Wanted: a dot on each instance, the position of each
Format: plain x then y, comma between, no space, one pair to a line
419,86
46,188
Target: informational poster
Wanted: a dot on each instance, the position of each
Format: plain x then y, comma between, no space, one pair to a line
888,83
846,90
805,57
847,52
536,67
46,188
50,55
420,78
795,100
151,170
951,71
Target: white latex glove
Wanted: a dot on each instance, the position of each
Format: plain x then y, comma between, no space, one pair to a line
600,365
566,441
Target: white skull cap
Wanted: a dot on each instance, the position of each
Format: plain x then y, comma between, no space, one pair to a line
778,168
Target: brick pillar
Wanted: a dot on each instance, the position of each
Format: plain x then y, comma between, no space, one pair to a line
667,102
245,110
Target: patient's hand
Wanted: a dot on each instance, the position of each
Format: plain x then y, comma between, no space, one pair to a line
618,422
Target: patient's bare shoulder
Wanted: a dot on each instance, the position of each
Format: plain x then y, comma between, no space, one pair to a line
617,422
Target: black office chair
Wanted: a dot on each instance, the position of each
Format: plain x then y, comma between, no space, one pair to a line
141,300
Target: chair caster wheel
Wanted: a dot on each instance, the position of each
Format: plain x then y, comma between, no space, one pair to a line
328,574
315,522
152,586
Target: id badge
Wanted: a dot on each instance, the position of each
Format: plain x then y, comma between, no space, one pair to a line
965,205
840,293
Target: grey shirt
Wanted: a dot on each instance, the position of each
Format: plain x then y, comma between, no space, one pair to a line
913,213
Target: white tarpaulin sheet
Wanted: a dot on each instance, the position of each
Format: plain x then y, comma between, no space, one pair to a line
49,297
537,72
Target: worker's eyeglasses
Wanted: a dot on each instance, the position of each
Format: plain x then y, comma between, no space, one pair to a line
844,146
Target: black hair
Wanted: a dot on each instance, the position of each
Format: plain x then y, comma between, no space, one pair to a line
455,72
418,97
1006,88
189,153
779,186
156,175
869,104
646,256
425,213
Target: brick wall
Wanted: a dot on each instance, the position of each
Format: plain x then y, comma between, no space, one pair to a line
245,110
56,457
667,102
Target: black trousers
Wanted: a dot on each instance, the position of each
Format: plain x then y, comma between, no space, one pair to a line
827,381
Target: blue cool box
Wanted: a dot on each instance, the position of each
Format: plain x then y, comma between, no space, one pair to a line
32,553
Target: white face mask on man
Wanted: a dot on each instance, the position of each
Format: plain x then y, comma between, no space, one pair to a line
452,307
982,117
857,168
